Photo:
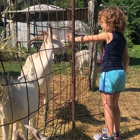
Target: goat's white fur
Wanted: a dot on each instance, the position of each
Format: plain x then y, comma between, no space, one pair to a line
82,57
15,99
42,63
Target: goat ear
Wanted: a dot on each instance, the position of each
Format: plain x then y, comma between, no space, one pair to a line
18,136
36,134
34,131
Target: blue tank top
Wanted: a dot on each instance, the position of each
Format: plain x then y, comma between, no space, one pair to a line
113,51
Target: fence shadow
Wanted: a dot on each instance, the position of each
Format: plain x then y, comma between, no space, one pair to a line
130,134
133,89
75,134
82,114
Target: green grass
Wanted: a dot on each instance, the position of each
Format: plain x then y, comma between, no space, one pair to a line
11,68
134,65
62,67
14,68
134,54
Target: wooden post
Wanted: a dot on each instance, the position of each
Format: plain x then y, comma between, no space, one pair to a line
93,28
0,12
28,27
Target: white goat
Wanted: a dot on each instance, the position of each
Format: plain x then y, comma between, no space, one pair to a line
42,63
18,99
82,57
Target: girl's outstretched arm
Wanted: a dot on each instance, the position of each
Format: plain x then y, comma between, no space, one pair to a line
105,36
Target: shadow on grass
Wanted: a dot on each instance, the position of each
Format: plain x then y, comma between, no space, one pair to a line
136,118
124,119
82,114
134,61
75,134
130,134
11,73
133,89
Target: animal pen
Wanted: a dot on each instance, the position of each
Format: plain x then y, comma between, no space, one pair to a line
68,88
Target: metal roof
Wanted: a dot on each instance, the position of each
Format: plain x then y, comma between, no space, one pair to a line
43,7
45,12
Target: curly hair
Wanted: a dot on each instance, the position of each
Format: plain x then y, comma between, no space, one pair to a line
114,17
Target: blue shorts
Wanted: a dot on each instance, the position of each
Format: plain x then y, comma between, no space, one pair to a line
112,81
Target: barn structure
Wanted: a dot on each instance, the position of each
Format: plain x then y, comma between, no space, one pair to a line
24,24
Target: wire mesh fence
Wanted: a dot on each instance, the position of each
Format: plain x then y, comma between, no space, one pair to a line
45,72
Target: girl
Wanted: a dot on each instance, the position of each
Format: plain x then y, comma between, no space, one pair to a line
114,66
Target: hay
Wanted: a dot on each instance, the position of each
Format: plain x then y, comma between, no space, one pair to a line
8,52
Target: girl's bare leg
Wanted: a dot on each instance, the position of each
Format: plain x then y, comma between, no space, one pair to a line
116,112
107,100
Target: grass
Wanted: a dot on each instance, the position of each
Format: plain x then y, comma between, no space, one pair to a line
134,54
11,68
14,68
129,101
134,65
62,67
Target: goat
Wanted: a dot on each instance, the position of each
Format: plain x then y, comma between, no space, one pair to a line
82,57
37,135
18,99
42,63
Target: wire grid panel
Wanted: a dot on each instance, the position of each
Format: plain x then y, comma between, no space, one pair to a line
59,118
57,121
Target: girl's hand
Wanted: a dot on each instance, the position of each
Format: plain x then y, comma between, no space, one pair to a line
69,37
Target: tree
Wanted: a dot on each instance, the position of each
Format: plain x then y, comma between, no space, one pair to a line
134,20
132,9
93,27
68,3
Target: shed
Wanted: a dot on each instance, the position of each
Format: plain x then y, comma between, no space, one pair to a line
23,26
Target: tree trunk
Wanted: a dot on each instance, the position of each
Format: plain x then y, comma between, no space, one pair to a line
93,28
